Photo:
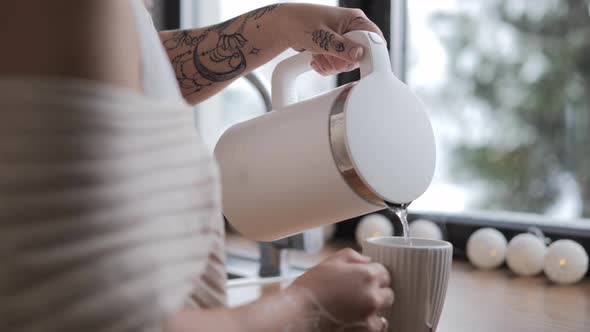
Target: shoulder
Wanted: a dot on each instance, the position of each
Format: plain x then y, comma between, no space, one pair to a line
93,40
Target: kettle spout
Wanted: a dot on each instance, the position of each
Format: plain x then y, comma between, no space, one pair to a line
397,206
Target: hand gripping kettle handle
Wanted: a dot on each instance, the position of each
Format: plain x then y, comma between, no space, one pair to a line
284,77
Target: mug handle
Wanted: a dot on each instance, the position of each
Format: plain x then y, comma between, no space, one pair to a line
284,77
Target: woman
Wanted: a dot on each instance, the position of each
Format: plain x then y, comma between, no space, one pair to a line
98,160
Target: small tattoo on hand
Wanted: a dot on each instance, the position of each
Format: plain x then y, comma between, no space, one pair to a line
325,40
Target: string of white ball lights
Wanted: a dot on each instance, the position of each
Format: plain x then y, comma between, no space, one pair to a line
564,261
526,254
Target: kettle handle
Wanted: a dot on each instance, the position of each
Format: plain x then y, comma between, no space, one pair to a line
284,77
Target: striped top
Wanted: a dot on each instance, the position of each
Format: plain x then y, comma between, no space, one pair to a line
109,203
109,209
159,82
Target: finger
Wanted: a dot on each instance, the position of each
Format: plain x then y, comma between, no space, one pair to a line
377,323
379,274
318,68
350,255
326,66
352,66
360,21
329,42
385,324
338,64
385,298
314,65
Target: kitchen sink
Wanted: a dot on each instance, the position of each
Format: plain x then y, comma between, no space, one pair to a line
238,266
244,285
231,276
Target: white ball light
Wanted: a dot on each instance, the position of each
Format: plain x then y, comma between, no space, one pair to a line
425,229
525,254
373,225
566,262
486,248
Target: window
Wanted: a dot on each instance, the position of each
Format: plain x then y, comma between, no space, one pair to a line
507,87
505,84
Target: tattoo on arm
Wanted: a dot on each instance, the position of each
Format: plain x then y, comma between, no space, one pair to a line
217,53
325,40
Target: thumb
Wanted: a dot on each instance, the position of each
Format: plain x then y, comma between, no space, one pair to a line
329,42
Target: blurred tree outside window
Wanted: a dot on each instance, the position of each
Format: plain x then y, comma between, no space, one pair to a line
507,84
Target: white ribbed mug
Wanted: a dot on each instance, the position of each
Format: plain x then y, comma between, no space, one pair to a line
419,274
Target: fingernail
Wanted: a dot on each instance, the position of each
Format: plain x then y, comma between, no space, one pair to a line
385,324
356,53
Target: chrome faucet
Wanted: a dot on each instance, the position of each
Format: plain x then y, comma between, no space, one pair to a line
263,88
273,255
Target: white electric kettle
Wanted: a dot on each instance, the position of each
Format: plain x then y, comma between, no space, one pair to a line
341,154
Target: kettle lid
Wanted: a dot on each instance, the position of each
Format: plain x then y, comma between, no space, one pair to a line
389,138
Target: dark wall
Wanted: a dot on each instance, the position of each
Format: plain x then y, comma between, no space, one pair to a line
378,11
166,13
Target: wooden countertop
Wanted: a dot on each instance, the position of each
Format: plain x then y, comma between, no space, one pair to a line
478,301
482,301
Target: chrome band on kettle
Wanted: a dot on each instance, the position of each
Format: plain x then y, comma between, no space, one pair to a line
337,133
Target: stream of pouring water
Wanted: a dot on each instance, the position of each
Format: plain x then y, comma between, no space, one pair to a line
401,211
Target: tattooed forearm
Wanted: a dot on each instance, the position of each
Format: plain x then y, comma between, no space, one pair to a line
325,40
214,55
